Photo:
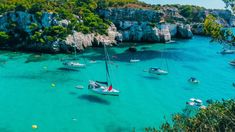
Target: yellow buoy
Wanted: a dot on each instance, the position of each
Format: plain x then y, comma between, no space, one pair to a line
34,126
53,85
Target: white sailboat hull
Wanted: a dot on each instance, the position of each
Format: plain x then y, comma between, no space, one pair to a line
101,89
158,72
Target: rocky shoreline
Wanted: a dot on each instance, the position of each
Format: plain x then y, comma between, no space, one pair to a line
127,25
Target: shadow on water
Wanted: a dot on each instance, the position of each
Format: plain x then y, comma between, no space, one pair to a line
72,93
151,77
36,58
188,88
94,99
146,55
115,128
46,75
191,67
68,69
41,58
2,61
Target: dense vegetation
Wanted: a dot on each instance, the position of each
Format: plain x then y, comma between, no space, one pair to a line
230,4
217,32
217,117
79,13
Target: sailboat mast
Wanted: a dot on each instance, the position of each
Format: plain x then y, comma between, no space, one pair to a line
106,64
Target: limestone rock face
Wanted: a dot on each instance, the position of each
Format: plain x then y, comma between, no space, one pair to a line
131,14
197,29
133,31
82,41
22,22
184,31
138,25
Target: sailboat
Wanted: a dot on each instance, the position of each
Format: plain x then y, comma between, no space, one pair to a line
157,70
74,64
104,88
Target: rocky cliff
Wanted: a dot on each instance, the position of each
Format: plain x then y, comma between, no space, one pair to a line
127,25
20,24
139,25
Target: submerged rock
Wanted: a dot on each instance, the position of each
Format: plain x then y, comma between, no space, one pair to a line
132,49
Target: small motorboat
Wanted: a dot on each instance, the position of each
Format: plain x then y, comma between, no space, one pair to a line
195,102
92,61
227,51
232,63
157,71
72,64
193,80
102,88
134,60
191,103
79,87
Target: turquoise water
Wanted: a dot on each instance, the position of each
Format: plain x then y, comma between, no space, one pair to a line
27,97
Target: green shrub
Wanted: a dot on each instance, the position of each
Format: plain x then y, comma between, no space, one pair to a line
4,37
20,7
217,117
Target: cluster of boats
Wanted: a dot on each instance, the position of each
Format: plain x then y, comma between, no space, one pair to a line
104,88
196,103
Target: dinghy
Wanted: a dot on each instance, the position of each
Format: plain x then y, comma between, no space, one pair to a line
104,88
195,102
157,71
134,60
193,80
72,64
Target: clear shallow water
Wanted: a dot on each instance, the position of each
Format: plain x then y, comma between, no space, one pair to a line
27,97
